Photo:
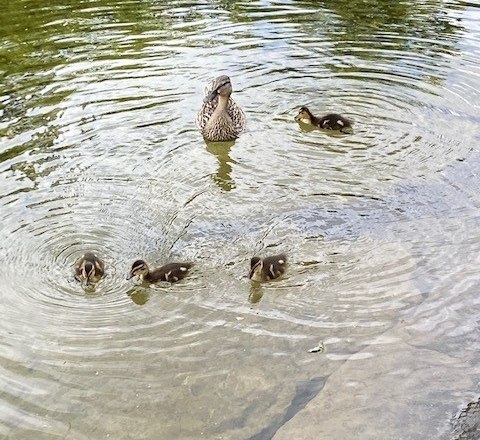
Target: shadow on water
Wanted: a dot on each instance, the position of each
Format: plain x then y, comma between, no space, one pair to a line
305,392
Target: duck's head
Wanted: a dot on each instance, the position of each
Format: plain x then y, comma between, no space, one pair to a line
256,267
139,268
304,115
221,86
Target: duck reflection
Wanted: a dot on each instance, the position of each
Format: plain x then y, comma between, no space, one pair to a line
139,295
256,293
223,177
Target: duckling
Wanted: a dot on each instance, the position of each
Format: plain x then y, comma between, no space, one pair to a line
89,268
331,121
220,119
268,268
169,272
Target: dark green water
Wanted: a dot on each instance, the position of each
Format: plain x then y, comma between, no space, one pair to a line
99,150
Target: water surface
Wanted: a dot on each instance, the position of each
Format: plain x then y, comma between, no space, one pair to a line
99,151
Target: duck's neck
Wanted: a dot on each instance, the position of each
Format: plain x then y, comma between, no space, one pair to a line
222,103
314,119
147,277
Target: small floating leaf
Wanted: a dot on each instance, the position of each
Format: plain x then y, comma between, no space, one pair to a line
320,348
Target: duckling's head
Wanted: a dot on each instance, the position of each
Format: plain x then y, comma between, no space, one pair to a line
88,271
304,115
89,256
221,86
139,268
256,267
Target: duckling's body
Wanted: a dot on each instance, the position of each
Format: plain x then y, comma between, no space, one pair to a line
89,268
269,268
220,119
170,272
331,121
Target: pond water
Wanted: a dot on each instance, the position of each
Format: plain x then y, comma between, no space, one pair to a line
99,151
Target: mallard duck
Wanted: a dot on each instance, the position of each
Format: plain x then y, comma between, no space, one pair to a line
169,272
89,268
269,268
331,121
220,118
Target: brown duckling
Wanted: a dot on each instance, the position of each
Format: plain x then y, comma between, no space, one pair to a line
169,272
269,268
331,121
89,268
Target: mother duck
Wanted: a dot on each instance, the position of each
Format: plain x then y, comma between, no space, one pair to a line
220,118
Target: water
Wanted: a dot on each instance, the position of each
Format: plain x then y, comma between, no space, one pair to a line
99,151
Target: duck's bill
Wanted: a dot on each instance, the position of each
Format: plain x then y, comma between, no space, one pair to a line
130,276
255,270
211,96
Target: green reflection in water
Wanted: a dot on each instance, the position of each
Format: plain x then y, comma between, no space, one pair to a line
223,176
139,295
256,293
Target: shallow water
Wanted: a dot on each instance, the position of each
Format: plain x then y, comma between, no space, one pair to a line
99,151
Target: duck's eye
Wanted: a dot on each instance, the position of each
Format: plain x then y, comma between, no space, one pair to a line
222,85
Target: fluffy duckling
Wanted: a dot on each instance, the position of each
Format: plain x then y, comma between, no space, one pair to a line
269,268
89,268
220,119
169,272
331,121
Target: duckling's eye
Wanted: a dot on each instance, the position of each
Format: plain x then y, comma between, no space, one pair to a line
138,268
